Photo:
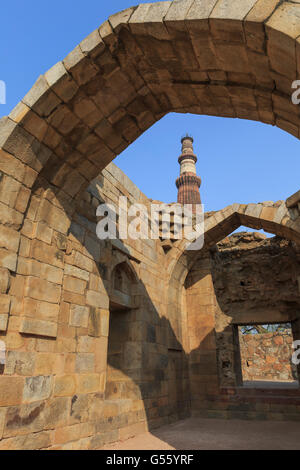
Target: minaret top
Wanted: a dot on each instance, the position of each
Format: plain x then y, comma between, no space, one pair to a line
187,137
187,150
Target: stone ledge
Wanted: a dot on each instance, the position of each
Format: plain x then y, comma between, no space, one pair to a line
293,200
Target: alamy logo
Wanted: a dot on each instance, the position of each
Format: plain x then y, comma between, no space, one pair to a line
2,92
296,354
296,94
165,221
2,353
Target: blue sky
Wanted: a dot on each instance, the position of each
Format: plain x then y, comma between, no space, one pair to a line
239,160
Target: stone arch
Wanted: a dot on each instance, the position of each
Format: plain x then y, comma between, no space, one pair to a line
216,58
123,284
280,218
143,63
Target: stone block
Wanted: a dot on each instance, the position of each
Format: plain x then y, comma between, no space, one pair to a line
12,166
3,321
94,326
20,363
85,362
75,285
2,421
293,200
104,320
33,123
37,388
261,10
45,363
83,262
8,259
38,93
285,19
79,316
98,322
79,409
232,10
200,10
76,272
11,390
5,301
10,217
24,419
79,66
61,82
43,232
47,254
253,210
90,383
4,280
178,11
22,199
9,190
41,289
93,44
97,299
148,18
38,327
57,412
64,385
282,29
40,310
35,441
53,216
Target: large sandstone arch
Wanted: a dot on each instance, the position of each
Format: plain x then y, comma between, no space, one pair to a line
231,59
235,59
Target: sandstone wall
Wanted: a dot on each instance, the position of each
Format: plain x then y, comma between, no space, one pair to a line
267,356
59,388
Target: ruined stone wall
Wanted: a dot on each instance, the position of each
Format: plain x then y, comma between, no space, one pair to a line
255,280
245,279
267,356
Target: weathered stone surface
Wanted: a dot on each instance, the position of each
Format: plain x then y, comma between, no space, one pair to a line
4,280
97,299
201,9
3,321
119,19
37,388
11,389
61,82
65,385
266,356
293,200
232,10
20,363
79,316
40,289
38,327
261,10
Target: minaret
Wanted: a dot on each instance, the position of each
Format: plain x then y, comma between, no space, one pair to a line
188,183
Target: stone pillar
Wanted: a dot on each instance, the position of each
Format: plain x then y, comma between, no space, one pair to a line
201,307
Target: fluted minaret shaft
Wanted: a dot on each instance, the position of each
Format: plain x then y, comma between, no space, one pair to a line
188,183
